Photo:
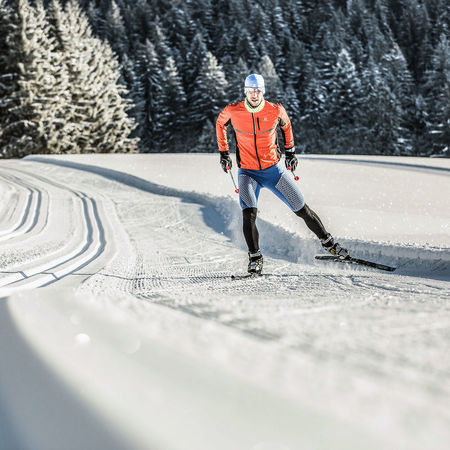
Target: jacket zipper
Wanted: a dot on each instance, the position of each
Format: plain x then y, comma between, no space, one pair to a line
256,148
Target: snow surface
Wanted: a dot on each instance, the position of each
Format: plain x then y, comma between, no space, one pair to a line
120,327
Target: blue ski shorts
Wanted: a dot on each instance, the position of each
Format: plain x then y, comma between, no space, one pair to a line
275,178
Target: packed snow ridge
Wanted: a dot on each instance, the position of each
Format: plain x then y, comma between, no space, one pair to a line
119,316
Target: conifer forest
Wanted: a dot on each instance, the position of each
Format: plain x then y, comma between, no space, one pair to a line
355,76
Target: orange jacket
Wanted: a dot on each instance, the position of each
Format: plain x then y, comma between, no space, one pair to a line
256,133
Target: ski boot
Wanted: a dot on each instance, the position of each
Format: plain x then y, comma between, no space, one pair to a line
255,262
334,247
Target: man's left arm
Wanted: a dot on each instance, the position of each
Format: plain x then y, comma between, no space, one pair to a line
286,128
290,159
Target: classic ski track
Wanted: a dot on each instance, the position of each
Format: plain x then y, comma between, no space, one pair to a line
24,213
11,214
42,224
74,255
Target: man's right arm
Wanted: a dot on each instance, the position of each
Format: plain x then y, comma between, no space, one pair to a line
222,123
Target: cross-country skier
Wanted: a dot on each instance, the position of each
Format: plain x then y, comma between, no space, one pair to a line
255,122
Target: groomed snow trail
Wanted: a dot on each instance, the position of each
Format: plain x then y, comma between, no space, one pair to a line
32,264
171,353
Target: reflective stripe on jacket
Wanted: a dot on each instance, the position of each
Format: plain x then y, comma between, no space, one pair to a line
256,133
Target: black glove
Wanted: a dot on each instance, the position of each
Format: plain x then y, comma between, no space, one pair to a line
225,161
290,160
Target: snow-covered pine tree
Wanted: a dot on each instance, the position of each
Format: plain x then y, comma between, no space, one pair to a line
138,18
314,94
8,77
292,105
207,141
437,92
172,112
264,38
161,42
344,101
114,30
135,92
99,106
400,80
411,29
236,74
210,93
382,116
274,87
245,46
297,56
35,119
181,28
202,12
194,57
150,76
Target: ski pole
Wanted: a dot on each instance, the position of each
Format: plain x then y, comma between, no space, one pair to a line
232,179
296,178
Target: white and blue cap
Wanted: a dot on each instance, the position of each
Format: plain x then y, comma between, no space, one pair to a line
254,81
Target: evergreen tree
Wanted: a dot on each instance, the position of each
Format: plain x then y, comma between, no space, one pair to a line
207,142
210,94
313,127
382,120
151,79
245,47
161,42
172,113
139,20
437,91
297,56
181,28
292,105
263,37
100,109
135,93
35,109
274,88
344,101
8,68
414,28
400,80
194,59
114,30
236,77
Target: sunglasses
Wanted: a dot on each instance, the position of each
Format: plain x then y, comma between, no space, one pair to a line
248,90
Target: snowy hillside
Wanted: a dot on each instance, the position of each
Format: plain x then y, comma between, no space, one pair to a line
120,327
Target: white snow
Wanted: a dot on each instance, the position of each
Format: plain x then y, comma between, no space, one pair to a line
120,327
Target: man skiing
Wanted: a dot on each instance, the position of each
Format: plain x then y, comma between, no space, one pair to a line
258,156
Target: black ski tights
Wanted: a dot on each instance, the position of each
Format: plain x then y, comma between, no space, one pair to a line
250,231
312,221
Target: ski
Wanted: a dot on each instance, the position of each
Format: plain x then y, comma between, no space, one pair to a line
351,260
247,276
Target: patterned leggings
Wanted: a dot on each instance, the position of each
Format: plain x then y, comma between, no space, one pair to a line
281,184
